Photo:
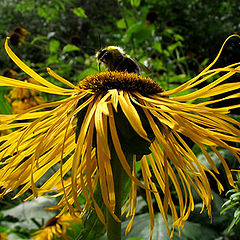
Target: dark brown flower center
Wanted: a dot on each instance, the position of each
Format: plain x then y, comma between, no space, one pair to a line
131,82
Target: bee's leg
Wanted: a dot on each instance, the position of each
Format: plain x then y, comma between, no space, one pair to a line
99,67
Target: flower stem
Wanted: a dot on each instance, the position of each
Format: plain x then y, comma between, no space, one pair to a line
114,227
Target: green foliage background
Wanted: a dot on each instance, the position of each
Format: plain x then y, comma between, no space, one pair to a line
175,39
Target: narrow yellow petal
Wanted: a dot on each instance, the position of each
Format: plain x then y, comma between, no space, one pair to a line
119,150
29,71
61,79
114,98
146,178
132,115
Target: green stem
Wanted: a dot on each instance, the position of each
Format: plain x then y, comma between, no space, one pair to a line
114,227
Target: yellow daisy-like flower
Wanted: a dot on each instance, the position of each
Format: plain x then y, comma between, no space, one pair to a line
123,116
18,36
10,73
56,226
22,99
3,236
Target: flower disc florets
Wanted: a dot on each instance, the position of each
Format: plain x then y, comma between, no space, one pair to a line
133,82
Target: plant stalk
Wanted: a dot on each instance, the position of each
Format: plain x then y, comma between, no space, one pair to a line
114,227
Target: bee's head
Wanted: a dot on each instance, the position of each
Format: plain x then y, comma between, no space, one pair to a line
109,56
104,55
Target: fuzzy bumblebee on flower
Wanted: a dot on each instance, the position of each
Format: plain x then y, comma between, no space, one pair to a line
107,124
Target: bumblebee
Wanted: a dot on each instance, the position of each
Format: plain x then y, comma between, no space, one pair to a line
115,59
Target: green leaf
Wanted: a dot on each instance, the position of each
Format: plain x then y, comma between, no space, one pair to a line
231,191
52,59
172,47
35,209
226,203
54,46
92,227
235,196
237,213
80,12
134,238
49,13
180,60
42,11
62,5
23,6
202,159
39,39
166,53
121,24
132,29
5,107
232,224
135,3
85,73
157,46
196,231
178,37
141,228
169,31
178,78
3,229
139,33
204,62
70,48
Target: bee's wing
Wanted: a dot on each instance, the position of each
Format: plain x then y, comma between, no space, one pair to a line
142,67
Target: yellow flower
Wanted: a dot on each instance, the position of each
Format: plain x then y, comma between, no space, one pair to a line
22,99
20,30
18,36
10,73
55,226
127,115
3,236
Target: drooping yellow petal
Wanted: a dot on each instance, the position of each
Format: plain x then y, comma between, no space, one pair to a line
131,114
147,177
119,151
30,72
